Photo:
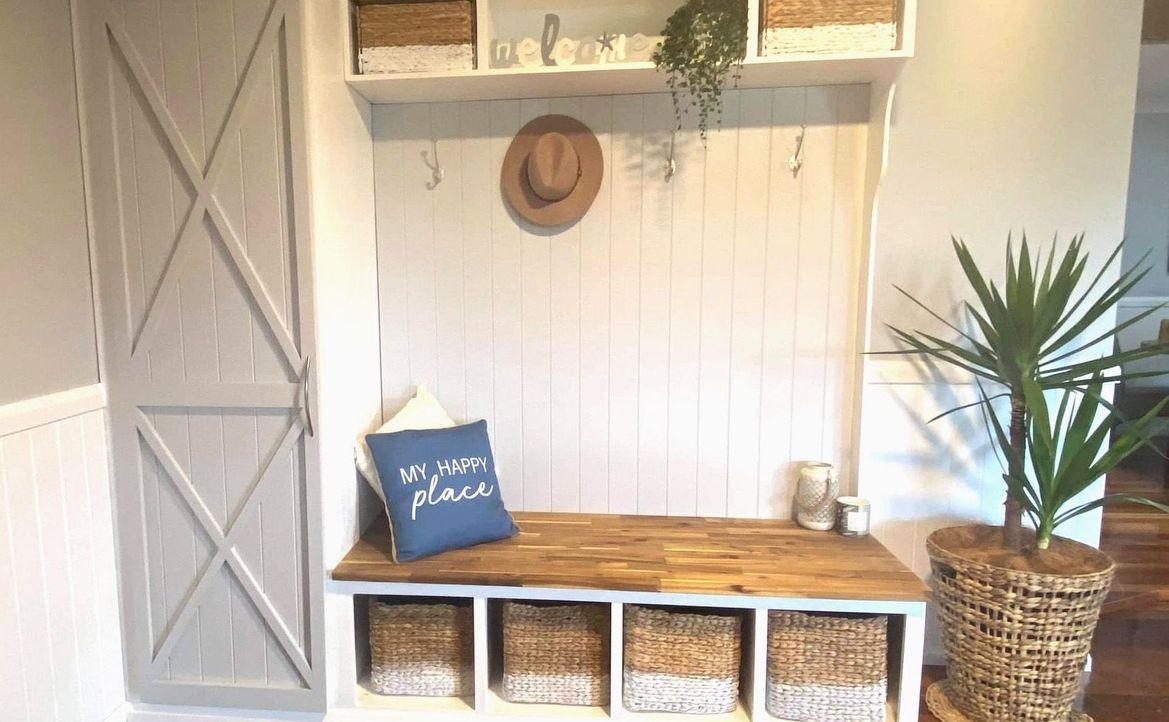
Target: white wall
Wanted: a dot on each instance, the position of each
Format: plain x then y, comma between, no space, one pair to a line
680,350
60,645
1146,228
46,303
1011,116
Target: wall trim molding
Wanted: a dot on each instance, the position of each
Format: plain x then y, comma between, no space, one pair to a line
30,413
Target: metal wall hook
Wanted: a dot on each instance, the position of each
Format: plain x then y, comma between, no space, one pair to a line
436,172
796,161
671,164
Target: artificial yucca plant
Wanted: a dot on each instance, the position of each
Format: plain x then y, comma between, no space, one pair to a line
1067,453
1027,336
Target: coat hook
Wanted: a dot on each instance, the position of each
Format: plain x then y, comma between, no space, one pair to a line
436,171
796,161
671,164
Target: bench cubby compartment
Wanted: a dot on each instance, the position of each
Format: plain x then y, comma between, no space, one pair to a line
421,647
827,667
682,660
554,653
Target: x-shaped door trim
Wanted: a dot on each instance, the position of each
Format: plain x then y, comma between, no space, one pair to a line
203,182
225,551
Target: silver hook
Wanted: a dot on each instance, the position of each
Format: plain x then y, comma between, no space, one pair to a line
796,161
671,164
436,171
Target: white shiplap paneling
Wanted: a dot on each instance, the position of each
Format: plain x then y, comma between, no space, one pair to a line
679,349
60,646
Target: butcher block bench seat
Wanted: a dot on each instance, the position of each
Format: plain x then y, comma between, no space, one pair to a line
698,573
680,555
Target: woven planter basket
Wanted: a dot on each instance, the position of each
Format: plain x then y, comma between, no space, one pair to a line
1016,640
415,35
686,662
841,26
421,650
826,669
556,654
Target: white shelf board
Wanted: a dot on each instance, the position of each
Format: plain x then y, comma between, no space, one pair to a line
618,78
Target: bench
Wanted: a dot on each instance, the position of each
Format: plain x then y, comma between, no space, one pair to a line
754,565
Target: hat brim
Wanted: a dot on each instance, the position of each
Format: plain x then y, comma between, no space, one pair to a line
514,174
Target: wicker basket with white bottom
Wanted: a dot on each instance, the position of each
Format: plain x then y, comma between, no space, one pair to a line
556,654
424,650
686,662
826,668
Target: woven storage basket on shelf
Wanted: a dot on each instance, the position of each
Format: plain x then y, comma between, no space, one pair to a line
415,35
684,662
556,654
421,649
828,26
1016,641
825,668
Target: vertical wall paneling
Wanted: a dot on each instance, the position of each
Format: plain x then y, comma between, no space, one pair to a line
60,652
194,114
682,347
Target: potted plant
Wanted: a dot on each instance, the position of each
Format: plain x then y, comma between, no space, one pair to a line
704,41
1018,605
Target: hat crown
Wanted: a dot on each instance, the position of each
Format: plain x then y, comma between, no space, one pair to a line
553,166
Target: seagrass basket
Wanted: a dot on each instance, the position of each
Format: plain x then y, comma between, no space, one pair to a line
828,26
1016,641
826,668
556,654
681,661
415,35
424,650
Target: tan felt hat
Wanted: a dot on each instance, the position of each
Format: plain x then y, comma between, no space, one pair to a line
552,170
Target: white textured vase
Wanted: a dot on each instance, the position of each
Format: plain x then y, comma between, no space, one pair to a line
816,497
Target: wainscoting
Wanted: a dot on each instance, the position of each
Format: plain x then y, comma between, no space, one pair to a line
60,639
677,351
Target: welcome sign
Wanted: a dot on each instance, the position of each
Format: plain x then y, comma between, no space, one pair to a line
441,489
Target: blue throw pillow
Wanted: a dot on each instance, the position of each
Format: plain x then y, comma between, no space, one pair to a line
441,490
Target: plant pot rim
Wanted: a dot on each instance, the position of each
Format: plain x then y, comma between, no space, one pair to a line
982,544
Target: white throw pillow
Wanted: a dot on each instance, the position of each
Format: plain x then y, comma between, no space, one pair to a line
421,412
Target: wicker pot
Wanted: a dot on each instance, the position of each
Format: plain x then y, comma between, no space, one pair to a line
826,668
686,662
421,650
556,654
1016,626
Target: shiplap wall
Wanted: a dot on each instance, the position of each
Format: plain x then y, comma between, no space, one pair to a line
677,351
60,645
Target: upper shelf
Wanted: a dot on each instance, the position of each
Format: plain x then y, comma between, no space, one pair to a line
758,71
490,84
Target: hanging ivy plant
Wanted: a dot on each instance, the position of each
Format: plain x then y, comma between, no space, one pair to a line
705,40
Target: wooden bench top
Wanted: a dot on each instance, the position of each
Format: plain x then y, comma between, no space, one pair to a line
682,555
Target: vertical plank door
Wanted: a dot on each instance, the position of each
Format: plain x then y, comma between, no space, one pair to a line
194,134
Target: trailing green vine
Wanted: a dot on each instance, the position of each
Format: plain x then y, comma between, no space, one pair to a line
705,40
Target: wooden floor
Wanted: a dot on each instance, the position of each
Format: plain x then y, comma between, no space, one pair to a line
1130,654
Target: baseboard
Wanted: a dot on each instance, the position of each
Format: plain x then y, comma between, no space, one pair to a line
48,409
164,713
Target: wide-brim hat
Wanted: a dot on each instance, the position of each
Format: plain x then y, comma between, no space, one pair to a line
552,170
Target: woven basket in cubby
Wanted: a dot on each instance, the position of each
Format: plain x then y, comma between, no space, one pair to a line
425,650
826,668
828,26
682,661
395,36
556,654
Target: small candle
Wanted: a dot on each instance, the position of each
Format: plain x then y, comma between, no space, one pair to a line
852,516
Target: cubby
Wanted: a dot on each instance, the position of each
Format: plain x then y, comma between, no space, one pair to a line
500,20
646,561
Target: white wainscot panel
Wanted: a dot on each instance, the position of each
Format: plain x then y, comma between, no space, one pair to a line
60,641
679,350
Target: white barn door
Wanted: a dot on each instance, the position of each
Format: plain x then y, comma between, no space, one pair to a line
195,140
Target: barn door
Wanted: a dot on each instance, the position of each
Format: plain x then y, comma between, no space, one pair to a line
194,128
